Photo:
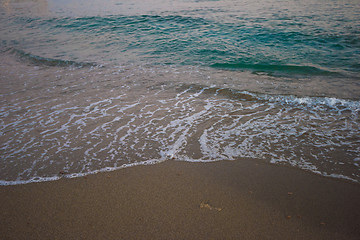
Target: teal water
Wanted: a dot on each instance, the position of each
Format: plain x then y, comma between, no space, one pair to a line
285,74
282,37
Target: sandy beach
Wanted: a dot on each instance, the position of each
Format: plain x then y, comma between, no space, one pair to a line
185,104
243,199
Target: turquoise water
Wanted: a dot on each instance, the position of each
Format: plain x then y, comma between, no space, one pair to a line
291,65
279,37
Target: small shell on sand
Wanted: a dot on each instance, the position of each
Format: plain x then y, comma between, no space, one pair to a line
208,206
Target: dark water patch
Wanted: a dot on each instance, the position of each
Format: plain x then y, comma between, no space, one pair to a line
43,61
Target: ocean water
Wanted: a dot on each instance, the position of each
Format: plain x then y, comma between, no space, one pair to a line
89,86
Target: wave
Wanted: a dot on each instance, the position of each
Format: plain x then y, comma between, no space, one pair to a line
194,122
190,40
312,102
273,68
116,22
44,61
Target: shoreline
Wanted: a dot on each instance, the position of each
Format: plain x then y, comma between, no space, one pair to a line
242,199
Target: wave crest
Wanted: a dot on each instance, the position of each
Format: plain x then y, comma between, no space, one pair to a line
271,68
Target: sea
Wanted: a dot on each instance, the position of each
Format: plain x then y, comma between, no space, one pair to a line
89,86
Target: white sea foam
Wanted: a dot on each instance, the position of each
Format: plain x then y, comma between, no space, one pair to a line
144,122
76,175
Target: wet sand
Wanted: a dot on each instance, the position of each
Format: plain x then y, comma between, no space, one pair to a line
243,199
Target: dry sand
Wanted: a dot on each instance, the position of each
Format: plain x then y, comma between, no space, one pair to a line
243,199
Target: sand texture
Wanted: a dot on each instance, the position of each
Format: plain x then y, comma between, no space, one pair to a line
242,199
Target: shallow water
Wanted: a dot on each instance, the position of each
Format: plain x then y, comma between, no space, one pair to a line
90,86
